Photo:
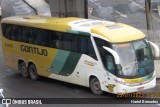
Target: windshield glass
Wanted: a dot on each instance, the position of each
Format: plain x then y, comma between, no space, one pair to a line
136,58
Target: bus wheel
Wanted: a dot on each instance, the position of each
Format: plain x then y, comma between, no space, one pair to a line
95,86
23,69
33,72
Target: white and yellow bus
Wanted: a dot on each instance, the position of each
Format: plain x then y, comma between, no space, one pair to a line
102,55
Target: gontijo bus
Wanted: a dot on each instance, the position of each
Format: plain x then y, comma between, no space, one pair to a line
102,55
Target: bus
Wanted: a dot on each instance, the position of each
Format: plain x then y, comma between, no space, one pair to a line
102,55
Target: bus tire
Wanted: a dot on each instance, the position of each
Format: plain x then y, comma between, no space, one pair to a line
23,69
33,72
95,86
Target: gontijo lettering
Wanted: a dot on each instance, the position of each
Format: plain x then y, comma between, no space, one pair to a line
34,50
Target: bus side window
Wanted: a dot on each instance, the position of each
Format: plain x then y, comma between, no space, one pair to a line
110,63
35,37
67,41
90,50
53,39
16,33
3,26
74,46
6,30
83,45
43,35
40,37
59,42
86,47
24,34
29,35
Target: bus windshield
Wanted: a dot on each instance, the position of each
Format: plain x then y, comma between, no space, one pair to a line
136,58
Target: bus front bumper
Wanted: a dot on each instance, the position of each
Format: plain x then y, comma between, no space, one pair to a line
135,88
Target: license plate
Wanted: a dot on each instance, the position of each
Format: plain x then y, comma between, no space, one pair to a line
140,88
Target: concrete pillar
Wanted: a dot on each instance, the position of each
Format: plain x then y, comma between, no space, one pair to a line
69,8
149,15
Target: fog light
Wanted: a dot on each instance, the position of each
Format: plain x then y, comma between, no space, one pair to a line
124,90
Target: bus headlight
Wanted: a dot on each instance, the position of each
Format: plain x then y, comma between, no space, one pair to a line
121,82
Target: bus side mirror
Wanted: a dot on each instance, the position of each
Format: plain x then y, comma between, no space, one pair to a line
1,93
1,90
155,50
114,53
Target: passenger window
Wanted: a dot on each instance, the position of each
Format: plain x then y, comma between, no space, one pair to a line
40,37
6,30
86,47
24,34
108,61
83,45
90,50
35,37
16,33
59,42
110,64
46,35
67,41
29,35
53,40
75,43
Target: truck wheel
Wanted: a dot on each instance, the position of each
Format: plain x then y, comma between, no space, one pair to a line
23,69
95,86
33,72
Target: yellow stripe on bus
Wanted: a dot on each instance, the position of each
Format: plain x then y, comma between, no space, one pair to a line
132,81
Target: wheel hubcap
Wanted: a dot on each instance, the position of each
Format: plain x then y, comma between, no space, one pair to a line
32,72
97,86
23,69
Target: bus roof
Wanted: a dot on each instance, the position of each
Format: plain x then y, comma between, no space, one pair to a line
119,33
113,32
44,22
